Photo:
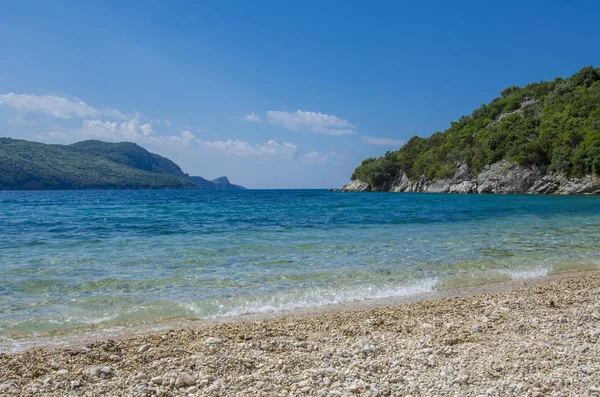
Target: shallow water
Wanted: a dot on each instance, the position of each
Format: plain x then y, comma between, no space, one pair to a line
103,258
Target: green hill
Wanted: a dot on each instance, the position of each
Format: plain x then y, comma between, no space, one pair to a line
86,165
221,183
552,125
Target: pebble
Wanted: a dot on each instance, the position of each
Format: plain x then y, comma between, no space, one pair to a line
157,380
188,379
582,348
54,365
62,372
144,348
526,349
96,371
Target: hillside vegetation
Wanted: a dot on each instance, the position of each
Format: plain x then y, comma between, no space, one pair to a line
86,165
554,125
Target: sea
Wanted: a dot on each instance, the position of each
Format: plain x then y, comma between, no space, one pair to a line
76,260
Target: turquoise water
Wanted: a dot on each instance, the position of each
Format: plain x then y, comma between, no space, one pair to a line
101,258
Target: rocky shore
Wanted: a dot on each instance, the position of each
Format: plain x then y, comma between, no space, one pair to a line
542,340
502,178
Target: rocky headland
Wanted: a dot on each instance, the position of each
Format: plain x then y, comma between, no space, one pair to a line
502,177
543,138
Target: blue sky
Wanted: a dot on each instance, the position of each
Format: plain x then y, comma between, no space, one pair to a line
274,94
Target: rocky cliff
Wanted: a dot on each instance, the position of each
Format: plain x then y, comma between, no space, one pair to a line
502,178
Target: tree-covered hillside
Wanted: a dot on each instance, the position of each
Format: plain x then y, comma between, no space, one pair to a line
86,165
554,125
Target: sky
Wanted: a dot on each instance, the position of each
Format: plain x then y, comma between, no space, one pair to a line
274,94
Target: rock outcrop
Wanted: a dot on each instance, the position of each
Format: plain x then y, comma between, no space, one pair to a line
502,177
356,186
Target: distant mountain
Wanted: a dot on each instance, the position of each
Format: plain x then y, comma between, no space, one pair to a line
221,183
90,164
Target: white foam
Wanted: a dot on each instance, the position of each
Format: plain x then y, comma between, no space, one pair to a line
523,274
301,299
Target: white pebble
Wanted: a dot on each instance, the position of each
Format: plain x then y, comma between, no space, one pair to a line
213,341
157,380
188,379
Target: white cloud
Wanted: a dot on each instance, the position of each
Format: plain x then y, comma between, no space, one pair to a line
132,130
315,157
251,117
147,129
242,148
374,140
111,130
101,124
316,122
55,106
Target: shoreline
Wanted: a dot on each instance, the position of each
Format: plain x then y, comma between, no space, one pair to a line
78,337
536,336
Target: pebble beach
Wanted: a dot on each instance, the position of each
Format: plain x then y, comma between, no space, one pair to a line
535,340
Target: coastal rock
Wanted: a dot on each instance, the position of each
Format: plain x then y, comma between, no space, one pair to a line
402,183
356,186
502,177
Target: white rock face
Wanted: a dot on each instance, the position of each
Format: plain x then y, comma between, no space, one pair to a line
502,177
356,186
